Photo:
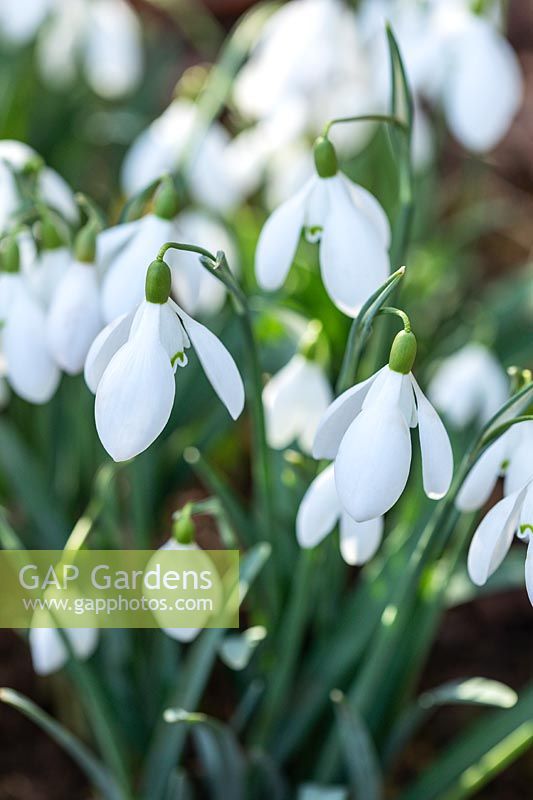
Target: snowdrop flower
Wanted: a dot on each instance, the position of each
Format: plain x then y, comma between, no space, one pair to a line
456,58
295,400
352,228
366,431
103,35
30,369
131,365
53,190
469,385
491,542
19,22
319,512
282,84
49,653
510,455
74,317
159,149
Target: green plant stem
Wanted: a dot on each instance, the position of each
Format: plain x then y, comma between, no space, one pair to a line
397,312
386,118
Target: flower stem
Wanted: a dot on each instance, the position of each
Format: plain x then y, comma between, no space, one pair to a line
218,266
398,313
386,118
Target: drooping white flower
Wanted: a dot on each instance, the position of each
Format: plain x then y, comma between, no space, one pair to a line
510,455
53,190
284,85
29,367
158,150
49,653
469,385
180,634
366,431
494,535
74,317
352,227
455,58
104,36
295,399
319,512
131,367
19,22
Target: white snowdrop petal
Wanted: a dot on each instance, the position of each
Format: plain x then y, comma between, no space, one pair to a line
373,209
135,395
353,259
529,570
218,364
374,458
112,240
520,469
58,194
104,347
48,651
279,239
359,541
493,537
173,336
437,456
482,478
338,418
113,48
319,510
316,395
31,370
282,401
484,89
74,317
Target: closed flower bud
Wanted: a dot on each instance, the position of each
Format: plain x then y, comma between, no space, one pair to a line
403,353
166,201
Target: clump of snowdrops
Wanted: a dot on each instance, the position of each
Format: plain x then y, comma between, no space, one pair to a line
340,425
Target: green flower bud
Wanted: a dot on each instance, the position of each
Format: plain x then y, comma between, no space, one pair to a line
183,528
403,352
51,237
10,255
85,244
166,201
158,282
325,157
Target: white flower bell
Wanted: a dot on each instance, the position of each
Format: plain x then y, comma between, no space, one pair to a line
493,537
29,367
53,190
319,512
469,386
158,150
74,318
295,400
132,362
366,431
103,36
510,455
48,650
351,225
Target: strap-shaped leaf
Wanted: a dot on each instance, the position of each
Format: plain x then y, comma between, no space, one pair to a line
360,756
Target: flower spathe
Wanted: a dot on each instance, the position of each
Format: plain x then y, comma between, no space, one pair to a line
469,385
354,236
366,431
319,512
131,367
295,399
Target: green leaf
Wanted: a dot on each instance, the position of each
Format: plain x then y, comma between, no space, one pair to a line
359,752
314,791
167,743
95,771
401,97
219,752
179,786
483,750
472,691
